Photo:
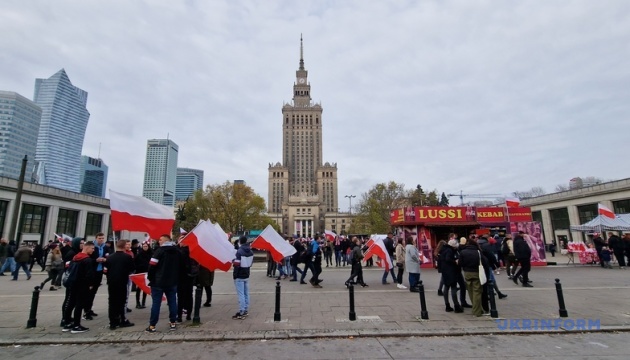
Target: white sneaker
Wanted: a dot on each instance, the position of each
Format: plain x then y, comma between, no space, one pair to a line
497,272
401,286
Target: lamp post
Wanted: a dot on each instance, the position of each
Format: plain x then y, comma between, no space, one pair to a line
350,198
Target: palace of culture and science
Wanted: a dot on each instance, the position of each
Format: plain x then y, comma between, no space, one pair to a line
303,196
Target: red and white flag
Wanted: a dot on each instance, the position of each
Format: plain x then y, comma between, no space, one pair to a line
377,247
210,247
512,202
182,231
330,236
142,282
604,211
270,240
135,213
63,237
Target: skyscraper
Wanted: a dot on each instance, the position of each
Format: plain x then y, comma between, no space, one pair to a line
188,181
160,171
303,189
93,176
19,125
61,133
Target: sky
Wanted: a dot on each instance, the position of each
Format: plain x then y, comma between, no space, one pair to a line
483,97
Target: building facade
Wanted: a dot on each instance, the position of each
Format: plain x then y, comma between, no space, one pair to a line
160,171
19,126
559,211
302,188
188,181
61,133
93,176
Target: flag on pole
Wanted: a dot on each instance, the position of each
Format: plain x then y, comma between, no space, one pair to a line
377,247
135,213
512,202
330,236
142,282
182,231
270,240
604,211
210,247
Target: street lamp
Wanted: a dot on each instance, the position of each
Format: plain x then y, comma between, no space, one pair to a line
350,198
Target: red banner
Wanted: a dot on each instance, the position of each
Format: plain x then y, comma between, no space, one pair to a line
397,216
520,214
447,214
429,214
491,214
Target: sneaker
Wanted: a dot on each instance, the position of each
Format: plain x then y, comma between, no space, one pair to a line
78,329
502,296
150,329
126,323
467,305
207,304
485,314
497,272
238,316
52,288
172,326
67,328
449,308
245,313
385,283
401,286
440,293
87,317
128,310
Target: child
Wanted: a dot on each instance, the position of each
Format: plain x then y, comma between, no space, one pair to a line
606,257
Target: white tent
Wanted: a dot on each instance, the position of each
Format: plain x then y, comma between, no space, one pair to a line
601,223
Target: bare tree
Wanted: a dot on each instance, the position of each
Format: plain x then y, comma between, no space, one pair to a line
561,187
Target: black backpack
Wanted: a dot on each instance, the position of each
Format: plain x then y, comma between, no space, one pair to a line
70,275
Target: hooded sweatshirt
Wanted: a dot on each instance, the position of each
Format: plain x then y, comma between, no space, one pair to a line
85,274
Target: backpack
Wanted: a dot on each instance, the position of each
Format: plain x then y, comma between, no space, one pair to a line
505,249
70,275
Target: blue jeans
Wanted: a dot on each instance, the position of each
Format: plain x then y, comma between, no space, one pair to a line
24,266
414,278
242,290
337,257
296,270
171,300
10,263
391,271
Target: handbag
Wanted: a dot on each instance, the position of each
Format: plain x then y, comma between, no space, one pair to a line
482,272
400,265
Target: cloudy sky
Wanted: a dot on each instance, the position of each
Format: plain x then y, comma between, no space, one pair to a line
479,96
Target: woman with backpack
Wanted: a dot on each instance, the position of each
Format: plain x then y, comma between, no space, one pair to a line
54,266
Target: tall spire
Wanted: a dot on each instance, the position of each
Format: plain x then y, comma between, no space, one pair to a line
301,53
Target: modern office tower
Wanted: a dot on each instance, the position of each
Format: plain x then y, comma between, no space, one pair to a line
61,133
188,181
302,189
19,125
93,176
160,171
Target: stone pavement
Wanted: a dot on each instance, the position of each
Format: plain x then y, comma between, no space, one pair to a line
383,310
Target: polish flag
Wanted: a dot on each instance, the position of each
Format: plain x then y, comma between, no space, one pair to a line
512,202
270,240
604,211
142,282
135,213
377,247
330,236
182,231
63,237
210,247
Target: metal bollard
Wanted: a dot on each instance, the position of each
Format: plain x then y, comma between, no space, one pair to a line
493,304
32,319
198,294
563,310
352,315
276,315
424,314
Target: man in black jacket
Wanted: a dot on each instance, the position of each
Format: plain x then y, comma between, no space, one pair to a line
523,253
295,258
616,245
599,244
119,266
78,290
163,275
101,251
389,246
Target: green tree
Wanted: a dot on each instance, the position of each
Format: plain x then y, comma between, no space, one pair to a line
374,207
432,199
234,206
443,200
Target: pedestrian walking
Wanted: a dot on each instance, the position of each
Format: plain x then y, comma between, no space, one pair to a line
412,264
242,264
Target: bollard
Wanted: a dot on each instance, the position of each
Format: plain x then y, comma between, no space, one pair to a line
32,320
198,294
276,315
563,310
352,315
493,304
424,314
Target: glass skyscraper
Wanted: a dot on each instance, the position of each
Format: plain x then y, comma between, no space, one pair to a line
19,125
160,171
188,181
61,133
93,176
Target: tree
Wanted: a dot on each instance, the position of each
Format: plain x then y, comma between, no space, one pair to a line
417,196
561,187
234,206
533,192
374,207
443,200
432,199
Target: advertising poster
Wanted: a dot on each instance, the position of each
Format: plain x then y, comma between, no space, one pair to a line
533,237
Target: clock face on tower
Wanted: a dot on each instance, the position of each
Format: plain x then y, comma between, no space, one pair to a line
301,80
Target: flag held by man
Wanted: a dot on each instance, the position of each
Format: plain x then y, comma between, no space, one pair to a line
377,247
270,240
210,247
330,236
135,213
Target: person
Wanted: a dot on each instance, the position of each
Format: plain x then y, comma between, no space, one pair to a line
163,274
119,266
616,245
338,254
78,291
54,265
449,258
242,264
487,250
412,264
606,257
307,258
22,259
135,247
389,246
599,244
296,258
507,249
205,279
141,262
552,248
101,250
437,265
346,247
3,250
188,270
66,246
400,263
626,247
10,258
469,259
328,251
271,265
523,253
317,262
38,254
355,258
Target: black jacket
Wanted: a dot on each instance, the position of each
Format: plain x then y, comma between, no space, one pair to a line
469,257
599,243
85,273
521,249
164,266
119,266
615,243
11,249
448,264
389,246
487,250
142,260
299,249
